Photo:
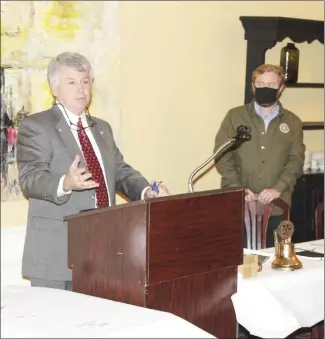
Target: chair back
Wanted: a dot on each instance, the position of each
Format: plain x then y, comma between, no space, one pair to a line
257,218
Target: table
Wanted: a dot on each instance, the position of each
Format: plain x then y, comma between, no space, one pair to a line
36,312
276,303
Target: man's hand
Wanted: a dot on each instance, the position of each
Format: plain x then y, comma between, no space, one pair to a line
249,195
163,192
268,195
78,178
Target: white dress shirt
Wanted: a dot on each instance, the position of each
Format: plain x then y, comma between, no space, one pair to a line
74,119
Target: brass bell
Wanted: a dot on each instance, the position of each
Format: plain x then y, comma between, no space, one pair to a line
285,255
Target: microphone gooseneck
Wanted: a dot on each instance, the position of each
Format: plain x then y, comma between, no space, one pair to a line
243,133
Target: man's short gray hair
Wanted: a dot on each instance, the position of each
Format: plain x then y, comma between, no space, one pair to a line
68,59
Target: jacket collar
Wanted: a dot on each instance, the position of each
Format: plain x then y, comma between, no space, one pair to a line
251,108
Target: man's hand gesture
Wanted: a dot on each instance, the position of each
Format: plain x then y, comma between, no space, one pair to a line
78,178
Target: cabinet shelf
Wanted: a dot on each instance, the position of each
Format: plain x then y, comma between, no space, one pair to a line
312,125
263,33
304,85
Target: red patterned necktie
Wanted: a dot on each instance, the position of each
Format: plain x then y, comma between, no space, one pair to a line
93,166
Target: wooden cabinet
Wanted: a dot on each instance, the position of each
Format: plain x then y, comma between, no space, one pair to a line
263,33
308,192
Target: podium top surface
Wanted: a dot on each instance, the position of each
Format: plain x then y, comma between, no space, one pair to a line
151,201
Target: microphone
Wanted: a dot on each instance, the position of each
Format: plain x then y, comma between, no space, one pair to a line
243,133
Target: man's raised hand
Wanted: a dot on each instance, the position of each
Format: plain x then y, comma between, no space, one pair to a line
78,178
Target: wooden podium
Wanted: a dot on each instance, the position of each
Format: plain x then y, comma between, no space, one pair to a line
177,254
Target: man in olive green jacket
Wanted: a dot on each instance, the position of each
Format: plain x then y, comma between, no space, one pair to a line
270,163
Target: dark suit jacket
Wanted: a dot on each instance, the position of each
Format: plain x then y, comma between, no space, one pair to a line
46,148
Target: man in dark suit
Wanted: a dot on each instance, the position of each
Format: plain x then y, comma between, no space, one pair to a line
68,162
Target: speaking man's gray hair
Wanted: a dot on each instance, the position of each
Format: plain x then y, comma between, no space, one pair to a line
68,59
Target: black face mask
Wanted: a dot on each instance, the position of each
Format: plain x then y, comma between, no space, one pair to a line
266,96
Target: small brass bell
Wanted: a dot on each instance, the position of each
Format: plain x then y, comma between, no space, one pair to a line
285,255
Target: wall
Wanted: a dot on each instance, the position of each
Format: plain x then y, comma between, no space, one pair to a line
182,68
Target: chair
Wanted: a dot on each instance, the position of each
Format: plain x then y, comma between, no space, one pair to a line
319,221
257,218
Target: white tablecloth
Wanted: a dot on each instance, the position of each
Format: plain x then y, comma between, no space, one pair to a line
276,303
35,312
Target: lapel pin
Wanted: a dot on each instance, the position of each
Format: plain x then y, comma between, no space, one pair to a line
60,130
101,132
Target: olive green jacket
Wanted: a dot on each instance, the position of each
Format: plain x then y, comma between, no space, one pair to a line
271,159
